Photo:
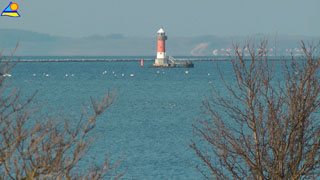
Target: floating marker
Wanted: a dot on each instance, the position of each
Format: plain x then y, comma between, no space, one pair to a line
6,75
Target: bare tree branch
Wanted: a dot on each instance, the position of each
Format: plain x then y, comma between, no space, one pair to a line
266,124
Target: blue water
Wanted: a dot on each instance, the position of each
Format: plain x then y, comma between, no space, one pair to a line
151,119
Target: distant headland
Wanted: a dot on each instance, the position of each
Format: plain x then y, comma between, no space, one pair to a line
41,44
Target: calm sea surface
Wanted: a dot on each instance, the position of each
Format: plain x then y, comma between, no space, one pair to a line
151,119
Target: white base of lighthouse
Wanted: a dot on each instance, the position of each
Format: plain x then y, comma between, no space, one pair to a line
161,60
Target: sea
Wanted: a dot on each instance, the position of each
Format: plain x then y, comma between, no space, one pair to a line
150,122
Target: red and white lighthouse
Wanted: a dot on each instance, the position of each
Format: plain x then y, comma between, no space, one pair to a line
161,59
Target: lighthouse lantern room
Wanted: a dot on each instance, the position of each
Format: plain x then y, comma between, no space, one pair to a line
161,60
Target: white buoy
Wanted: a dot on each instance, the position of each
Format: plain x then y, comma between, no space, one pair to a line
66,75
47,75
104,72
186,72
72,75
131,75
158,72
33,74
208,74
122,75
6,75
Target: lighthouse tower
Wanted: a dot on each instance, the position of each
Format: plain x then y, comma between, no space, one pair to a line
161,60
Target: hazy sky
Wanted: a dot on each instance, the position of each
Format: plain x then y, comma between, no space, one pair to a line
79,18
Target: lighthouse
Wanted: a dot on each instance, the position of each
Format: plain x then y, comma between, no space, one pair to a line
161,60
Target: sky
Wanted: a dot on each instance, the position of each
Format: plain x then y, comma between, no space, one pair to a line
179,18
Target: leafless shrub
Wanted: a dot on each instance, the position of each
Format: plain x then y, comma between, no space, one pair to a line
37,146
267,125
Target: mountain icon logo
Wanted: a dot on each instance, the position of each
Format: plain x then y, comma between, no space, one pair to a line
11,10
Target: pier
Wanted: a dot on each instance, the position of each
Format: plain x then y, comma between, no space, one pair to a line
17,60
